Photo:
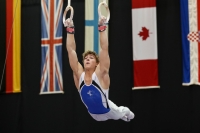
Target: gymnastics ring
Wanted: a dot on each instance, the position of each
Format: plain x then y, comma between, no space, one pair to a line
108,11
66,10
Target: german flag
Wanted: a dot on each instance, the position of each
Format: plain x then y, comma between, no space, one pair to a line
12,48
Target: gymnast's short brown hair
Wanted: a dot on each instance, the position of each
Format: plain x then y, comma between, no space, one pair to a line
92,53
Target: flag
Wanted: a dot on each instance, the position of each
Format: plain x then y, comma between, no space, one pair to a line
145,56
51,47
13,47
190,26
3,43
91,24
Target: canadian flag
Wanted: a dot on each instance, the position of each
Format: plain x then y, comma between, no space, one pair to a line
145,56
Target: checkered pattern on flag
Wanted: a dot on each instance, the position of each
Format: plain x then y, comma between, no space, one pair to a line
193,36
51,46
190,25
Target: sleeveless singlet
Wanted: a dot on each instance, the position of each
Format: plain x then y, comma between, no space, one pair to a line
93,96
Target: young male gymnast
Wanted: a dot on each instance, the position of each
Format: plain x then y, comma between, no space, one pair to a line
92,80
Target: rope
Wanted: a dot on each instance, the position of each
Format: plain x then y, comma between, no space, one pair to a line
69,2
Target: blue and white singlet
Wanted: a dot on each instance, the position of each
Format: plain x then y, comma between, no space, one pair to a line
94,96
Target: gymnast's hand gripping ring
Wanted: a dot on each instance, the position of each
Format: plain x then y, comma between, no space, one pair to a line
108,11
69,7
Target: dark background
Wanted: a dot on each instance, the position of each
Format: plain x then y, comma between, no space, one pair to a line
172,108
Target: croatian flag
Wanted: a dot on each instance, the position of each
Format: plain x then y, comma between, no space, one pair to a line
190,25
51,47
145,57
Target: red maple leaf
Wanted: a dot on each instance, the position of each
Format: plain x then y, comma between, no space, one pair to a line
144,33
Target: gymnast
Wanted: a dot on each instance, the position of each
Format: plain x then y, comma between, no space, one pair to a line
92,80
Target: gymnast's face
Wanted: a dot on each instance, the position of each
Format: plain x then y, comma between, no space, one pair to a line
90,62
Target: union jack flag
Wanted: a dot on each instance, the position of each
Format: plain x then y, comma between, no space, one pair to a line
51,46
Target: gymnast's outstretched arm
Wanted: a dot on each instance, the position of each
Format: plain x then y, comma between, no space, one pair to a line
104,58
71,49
